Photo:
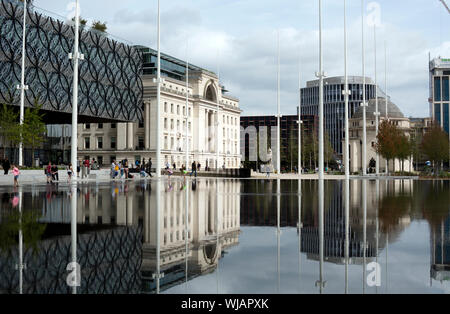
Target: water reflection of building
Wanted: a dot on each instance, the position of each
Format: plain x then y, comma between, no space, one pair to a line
117,235
440,251
207,217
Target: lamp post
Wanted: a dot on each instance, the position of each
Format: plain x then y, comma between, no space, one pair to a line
217,114
187,109
300,122
346,94
22,85
75,56
278,105
376,113
158,99
364,105
320,75
386,94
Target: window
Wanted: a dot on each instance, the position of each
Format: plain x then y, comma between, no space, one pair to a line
112,159
165,107
100,142
113,125
171,124
113,142
87,126
437,89
178,109
171,108
189,112
445,88
100,125
165,123
141,142
141,124
87,143
100,160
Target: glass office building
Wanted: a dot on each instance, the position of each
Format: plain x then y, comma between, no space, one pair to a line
334,103
439,91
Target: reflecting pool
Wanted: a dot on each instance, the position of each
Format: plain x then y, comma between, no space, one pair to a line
210,236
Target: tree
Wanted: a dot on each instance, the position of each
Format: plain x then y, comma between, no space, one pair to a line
388,139
9,126
435,146
404,149
34,129
83,22
99,26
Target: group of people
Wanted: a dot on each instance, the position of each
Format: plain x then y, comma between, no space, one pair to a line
6,164
51,172
183,170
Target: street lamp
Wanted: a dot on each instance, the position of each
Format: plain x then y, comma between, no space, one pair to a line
346,94
22,85
278,106
158,82
300,122
75,56
321,76
364,104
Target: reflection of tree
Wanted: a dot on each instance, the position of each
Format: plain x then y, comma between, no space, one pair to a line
32,230
393,207
434,200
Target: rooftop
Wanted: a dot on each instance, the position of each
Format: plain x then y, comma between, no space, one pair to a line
393,110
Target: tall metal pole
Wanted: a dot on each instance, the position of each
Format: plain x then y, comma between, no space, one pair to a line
187,109
299,118
346,93
299,226
76,56
21,263
22,85
347,230
73,234
278,105
376,113
219,91
320,75
364,144
386,93
364,200
158,99
278,232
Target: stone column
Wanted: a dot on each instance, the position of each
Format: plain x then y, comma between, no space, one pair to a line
147,125
130,136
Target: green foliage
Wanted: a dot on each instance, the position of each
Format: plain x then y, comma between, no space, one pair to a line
83,22
9,125
34,129
435,146
99,26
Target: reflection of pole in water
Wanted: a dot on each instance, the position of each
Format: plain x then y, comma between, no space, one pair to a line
321,283
217,229
377,223
347,231
186,231
299,227
157,275
364,200
21,264
278,233
73,232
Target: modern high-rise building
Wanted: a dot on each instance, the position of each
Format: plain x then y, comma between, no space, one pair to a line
439,91
334,112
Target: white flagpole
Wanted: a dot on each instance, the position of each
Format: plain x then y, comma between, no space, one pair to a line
76,56
386,93
278,106
320,75
299,168
22,85
364,144
158,100
346,93
187,108
376,113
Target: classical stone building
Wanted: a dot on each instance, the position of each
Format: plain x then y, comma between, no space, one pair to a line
135,141
356,134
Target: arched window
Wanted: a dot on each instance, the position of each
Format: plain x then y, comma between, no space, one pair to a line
210,94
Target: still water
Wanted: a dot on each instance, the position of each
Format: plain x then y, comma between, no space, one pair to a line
226,236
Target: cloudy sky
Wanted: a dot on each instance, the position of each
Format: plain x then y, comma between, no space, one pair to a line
239,37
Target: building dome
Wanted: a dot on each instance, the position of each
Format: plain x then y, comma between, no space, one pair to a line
393,110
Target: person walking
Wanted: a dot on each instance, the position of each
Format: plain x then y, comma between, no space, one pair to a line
149,165
69,173
16,173
6,166
194,169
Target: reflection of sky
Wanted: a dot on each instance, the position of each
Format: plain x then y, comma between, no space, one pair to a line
251,267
